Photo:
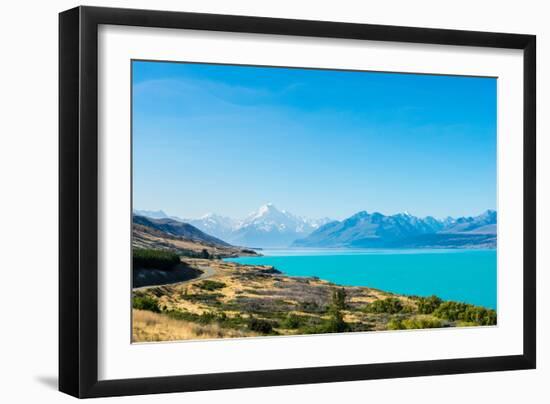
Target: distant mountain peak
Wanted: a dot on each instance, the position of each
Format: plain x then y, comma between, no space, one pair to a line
265,208
267,226
207,215
404,230
155,214
360,214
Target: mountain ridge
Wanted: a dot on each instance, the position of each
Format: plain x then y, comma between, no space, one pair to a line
265,227
176,228
376,230
181,238
269,227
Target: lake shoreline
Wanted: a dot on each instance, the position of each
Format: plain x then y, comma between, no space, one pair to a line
449,273
241,300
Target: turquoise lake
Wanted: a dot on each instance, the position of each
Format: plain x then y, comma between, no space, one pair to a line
462,275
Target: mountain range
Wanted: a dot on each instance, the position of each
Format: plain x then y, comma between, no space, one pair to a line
375,230
265,227
269,227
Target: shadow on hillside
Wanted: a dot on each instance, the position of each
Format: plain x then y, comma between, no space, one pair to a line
151,277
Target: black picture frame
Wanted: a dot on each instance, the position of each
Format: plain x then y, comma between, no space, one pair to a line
78,201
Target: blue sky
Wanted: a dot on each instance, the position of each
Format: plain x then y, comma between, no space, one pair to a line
318,143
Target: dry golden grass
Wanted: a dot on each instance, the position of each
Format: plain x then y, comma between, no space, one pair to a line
149,327
146,237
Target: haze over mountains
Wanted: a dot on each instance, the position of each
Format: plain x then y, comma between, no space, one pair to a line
265,227
270,227
375,230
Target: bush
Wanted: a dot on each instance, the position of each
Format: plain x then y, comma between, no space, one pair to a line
292,321
145,303
261,326
211,285
394,324
208,317
479,315
427,305
414,323
154,259
339,298
450,310
455,311
336,323
421,322
389,305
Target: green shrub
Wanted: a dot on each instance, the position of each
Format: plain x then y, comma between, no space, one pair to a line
450,310
335,323
211,285
207,318
427,305
421,322
479,315
414,323
292,321
145,303
456,311
389,305
259,325
154,259
338,298
395,324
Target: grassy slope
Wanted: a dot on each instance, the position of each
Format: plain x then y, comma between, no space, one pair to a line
149,238
238,293
152,327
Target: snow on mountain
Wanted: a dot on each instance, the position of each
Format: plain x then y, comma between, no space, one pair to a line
265,227
269,218
483,224
216,225
404,230
271,227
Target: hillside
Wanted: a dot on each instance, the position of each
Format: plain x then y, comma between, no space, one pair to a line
251,300
181,238
178,229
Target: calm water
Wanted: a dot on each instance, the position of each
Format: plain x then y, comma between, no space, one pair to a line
462,275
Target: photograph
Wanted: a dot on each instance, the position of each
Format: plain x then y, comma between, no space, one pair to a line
274,201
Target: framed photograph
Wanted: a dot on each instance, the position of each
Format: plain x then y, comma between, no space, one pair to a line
250,201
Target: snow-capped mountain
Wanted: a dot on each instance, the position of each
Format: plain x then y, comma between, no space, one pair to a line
486,223
265,227
216,225
404,230
271,227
